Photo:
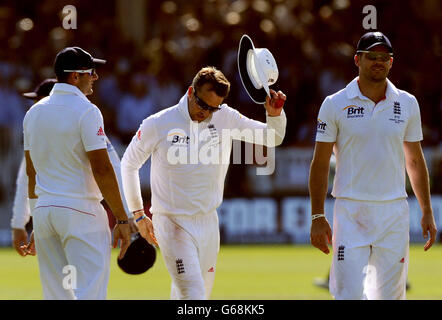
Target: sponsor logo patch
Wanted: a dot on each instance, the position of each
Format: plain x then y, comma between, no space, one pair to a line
100,132
354,111
321,126
178,137
180,266
396,113
341,253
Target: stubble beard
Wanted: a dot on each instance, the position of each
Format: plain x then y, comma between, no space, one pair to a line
377,77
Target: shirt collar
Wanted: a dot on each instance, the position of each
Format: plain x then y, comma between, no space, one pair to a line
392,92
183,107
65,88
353,90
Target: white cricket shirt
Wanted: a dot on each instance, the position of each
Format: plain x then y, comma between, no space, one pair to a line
370,162
189,159
58,131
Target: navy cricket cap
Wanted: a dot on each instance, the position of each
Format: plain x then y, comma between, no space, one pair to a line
42,90
74,58
371,39
139,257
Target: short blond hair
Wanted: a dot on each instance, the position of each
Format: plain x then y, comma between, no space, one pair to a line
215,78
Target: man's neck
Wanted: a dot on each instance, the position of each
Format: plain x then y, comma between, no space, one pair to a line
76,85
375,91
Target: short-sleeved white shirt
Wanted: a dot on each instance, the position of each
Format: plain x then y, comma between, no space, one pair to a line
370,162
58,131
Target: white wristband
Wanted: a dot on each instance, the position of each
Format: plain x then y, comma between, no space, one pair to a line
316,216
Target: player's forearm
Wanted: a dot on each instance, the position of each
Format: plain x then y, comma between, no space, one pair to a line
107,182
115,160
20,208
278,124
131,186
133,159
30,172
270,134
420,183
318,185
31,187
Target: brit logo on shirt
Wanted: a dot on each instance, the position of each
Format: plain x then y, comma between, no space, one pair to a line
321,126
178,137
354,111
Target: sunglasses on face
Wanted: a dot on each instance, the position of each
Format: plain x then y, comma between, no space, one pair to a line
91,71
374,55
203,105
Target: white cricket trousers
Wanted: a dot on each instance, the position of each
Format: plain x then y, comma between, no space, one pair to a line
189,246
73,249
370,250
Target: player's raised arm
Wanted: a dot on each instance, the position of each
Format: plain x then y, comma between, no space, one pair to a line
276,123
275,104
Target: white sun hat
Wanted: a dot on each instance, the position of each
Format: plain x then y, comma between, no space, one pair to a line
257,69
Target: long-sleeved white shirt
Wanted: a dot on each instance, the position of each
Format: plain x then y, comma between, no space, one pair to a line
20,210
190,159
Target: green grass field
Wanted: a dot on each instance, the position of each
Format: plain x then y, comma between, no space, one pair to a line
279,272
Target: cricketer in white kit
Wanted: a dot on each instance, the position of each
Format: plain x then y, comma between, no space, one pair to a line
188,170
374,129
21,213
69,172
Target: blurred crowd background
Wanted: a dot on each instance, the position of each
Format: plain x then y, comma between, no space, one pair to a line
154,48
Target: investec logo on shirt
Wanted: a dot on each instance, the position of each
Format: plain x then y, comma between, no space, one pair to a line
354,111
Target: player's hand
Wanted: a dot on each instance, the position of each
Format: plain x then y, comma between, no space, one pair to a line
428,227
29,248
133,226
275,103
321,234
19,238
122,233
145,228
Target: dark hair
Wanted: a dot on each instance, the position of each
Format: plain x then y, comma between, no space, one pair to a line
63,77
215,78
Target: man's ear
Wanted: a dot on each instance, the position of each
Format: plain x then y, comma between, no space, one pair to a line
356,59
189,91
73,78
